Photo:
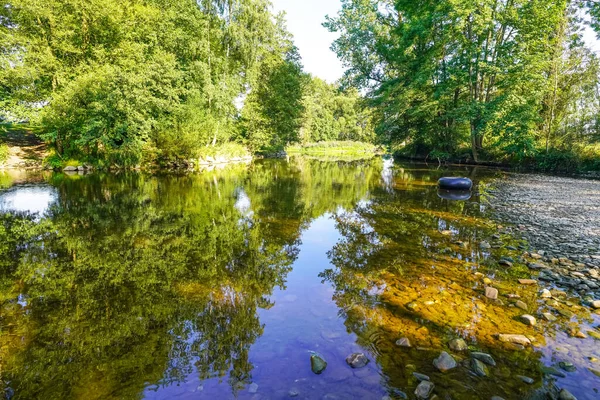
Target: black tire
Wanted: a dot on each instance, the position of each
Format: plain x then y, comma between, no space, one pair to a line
455,183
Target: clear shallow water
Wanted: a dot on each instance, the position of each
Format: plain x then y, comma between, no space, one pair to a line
206,285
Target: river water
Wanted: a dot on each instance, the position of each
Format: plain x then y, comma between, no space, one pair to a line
222,284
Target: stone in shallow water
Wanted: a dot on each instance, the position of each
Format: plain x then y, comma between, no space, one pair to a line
516,339
596,303
458,344
357,360
567,366
520,304
421,377
526,379
486,358
566,395
485,245
479,368
528,319
594,334
424,390
253,388
549,317
317,363
444,362
545,294
404,342
491,293
553,371
527,281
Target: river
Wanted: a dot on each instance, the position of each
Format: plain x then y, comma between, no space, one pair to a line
223,284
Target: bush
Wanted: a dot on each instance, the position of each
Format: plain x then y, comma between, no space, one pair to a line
332,148
3,153
227,150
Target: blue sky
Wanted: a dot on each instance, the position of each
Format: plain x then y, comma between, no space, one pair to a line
304,19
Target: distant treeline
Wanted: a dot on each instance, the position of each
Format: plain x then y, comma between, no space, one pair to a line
504,80
127,81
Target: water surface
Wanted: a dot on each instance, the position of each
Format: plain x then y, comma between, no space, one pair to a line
219,284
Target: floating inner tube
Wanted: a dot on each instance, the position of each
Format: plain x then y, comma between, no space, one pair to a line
454,195
454,183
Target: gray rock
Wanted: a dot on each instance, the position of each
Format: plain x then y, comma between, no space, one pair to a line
357,360
294,393
404,342
526,379
516,339
486,358
424,390
253,388
549,317
596,304
421,377
444,362
479,368
520,304
485,245
567,366
458,344
566,395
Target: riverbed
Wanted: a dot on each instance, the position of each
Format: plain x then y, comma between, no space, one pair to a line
233,283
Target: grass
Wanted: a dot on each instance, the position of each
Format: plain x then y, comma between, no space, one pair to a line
226,150
3,153
333,149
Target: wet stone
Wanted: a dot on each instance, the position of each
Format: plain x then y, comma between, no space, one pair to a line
566,395
357,360
458,344
253,388
516,339
317,363
486,358
528,320
526,379
424,390
520,304
491,293
404,342
420,377
444,362
567,366
527,281
553,371
545,294
479,368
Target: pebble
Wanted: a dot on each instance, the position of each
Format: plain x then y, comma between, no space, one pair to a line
444,362
567,366
527,281
549,317
317,363
566,395
526,379
528,320
596,304
421,377
545,294
424,390
293,393
516,339
253,388
479,368
486,358
458,344
491,293
404,342
520,304
357,360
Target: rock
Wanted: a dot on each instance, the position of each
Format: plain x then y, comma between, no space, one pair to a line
545,294
553,371
70,169
317,363
253,388
404,342
479,368
567,366
520,304
446,233
527,281
528,320
526,379
293,393
595,372
421,377
458,344
357,360
595,304
594,334
485,245
486,358
549,317
491,293
537,266
505,262
497,398
444,362
566,395
516,339
424,390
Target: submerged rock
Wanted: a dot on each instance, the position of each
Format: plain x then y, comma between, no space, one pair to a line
424,390
317,363
486,358
479,368
491,293
444,362
458,344
421,377
566,395
528,319
567,366
357,360
404,342
253,388
526,379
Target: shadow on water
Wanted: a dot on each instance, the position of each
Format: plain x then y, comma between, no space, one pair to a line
218,284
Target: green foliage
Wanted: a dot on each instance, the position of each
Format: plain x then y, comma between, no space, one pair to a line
334,149
3,153
508,80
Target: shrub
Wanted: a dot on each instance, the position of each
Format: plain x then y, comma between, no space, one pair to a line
3,153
